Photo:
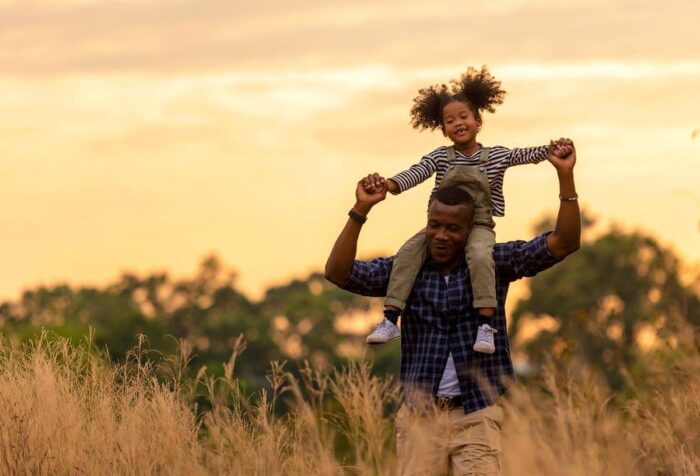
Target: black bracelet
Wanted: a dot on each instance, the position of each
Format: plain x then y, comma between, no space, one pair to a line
356,217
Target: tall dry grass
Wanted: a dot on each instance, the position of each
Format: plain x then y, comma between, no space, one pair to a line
66,410
571,427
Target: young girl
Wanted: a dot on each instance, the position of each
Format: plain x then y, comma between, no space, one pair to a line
456,109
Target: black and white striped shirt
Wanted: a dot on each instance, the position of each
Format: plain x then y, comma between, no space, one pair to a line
500,158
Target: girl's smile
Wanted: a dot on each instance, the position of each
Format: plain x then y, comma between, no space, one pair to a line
460,125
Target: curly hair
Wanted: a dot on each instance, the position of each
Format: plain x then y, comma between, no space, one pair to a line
476,88
452,195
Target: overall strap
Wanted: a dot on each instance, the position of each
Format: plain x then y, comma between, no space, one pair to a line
484,157
450,153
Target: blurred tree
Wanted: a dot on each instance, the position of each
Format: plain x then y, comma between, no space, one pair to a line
115,318
305,316
617,298
296,321
208,313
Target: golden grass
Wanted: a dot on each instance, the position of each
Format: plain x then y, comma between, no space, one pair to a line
65,410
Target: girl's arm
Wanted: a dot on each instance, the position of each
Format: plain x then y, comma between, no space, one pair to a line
527,155
534,155
414,175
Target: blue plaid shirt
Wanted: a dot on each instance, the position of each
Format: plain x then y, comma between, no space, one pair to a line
439,318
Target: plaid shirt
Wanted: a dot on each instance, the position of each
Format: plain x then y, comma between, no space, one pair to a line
439,318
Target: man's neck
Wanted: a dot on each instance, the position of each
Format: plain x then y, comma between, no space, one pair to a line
446,268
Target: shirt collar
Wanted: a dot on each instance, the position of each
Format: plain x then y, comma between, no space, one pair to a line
431,264
476,152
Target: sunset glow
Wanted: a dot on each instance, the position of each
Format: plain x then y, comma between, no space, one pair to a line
143,135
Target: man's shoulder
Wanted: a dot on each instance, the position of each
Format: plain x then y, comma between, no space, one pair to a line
518,258
537,243
369,277
378,261
375,265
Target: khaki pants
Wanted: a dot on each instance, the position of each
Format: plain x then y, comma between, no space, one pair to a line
449,442
478,250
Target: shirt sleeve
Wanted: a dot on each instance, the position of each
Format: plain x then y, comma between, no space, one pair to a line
369,278
519,259
526,155
416,174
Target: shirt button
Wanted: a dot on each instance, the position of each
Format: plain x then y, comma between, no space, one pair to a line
482,168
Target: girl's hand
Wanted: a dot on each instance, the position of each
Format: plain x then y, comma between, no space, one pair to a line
565,147
561,147
374,183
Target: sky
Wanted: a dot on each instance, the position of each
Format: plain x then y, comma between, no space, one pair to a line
141,136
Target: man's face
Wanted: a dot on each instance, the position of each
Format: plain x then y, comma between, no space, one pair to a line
447,232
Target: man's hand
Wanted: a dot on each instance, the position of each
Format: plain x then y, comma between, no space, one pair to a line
374,181
562,154
370,190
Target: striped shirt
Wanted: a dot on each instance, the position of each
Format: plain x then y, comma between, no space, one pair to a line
439,319
500,158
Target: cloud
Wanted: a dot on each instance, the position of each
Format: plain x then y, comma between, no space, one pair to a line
167,120
208,35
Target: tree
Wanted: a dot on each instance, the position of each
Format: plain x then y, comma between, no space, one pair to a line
295,321
619,297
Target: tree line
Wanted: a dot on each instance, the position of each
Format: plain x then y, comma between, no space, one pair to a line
618,306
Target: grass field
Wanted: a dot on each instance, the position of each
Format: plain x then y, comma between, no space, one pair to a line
66,410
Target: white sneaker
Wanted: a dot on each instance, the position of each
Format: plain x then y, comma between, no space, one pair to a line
385,332
484,339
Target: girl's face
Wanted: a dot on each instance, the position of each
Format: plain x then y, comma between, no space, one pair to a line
460,125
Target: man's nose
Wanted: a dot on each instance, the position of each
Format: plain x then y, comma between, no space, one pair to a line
441,234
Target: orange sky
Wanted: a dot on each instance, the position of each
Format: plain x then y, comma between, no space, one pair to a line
142,135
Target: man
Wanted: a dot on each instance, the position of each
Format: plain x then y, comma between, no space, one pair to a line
449,422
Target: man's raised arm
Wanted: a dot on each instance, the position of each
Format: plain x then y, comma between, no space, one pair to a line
370,191
566,237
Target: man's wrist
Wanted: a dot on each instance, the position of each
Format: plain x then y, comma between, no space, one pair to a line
357,217
362,208
565,173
